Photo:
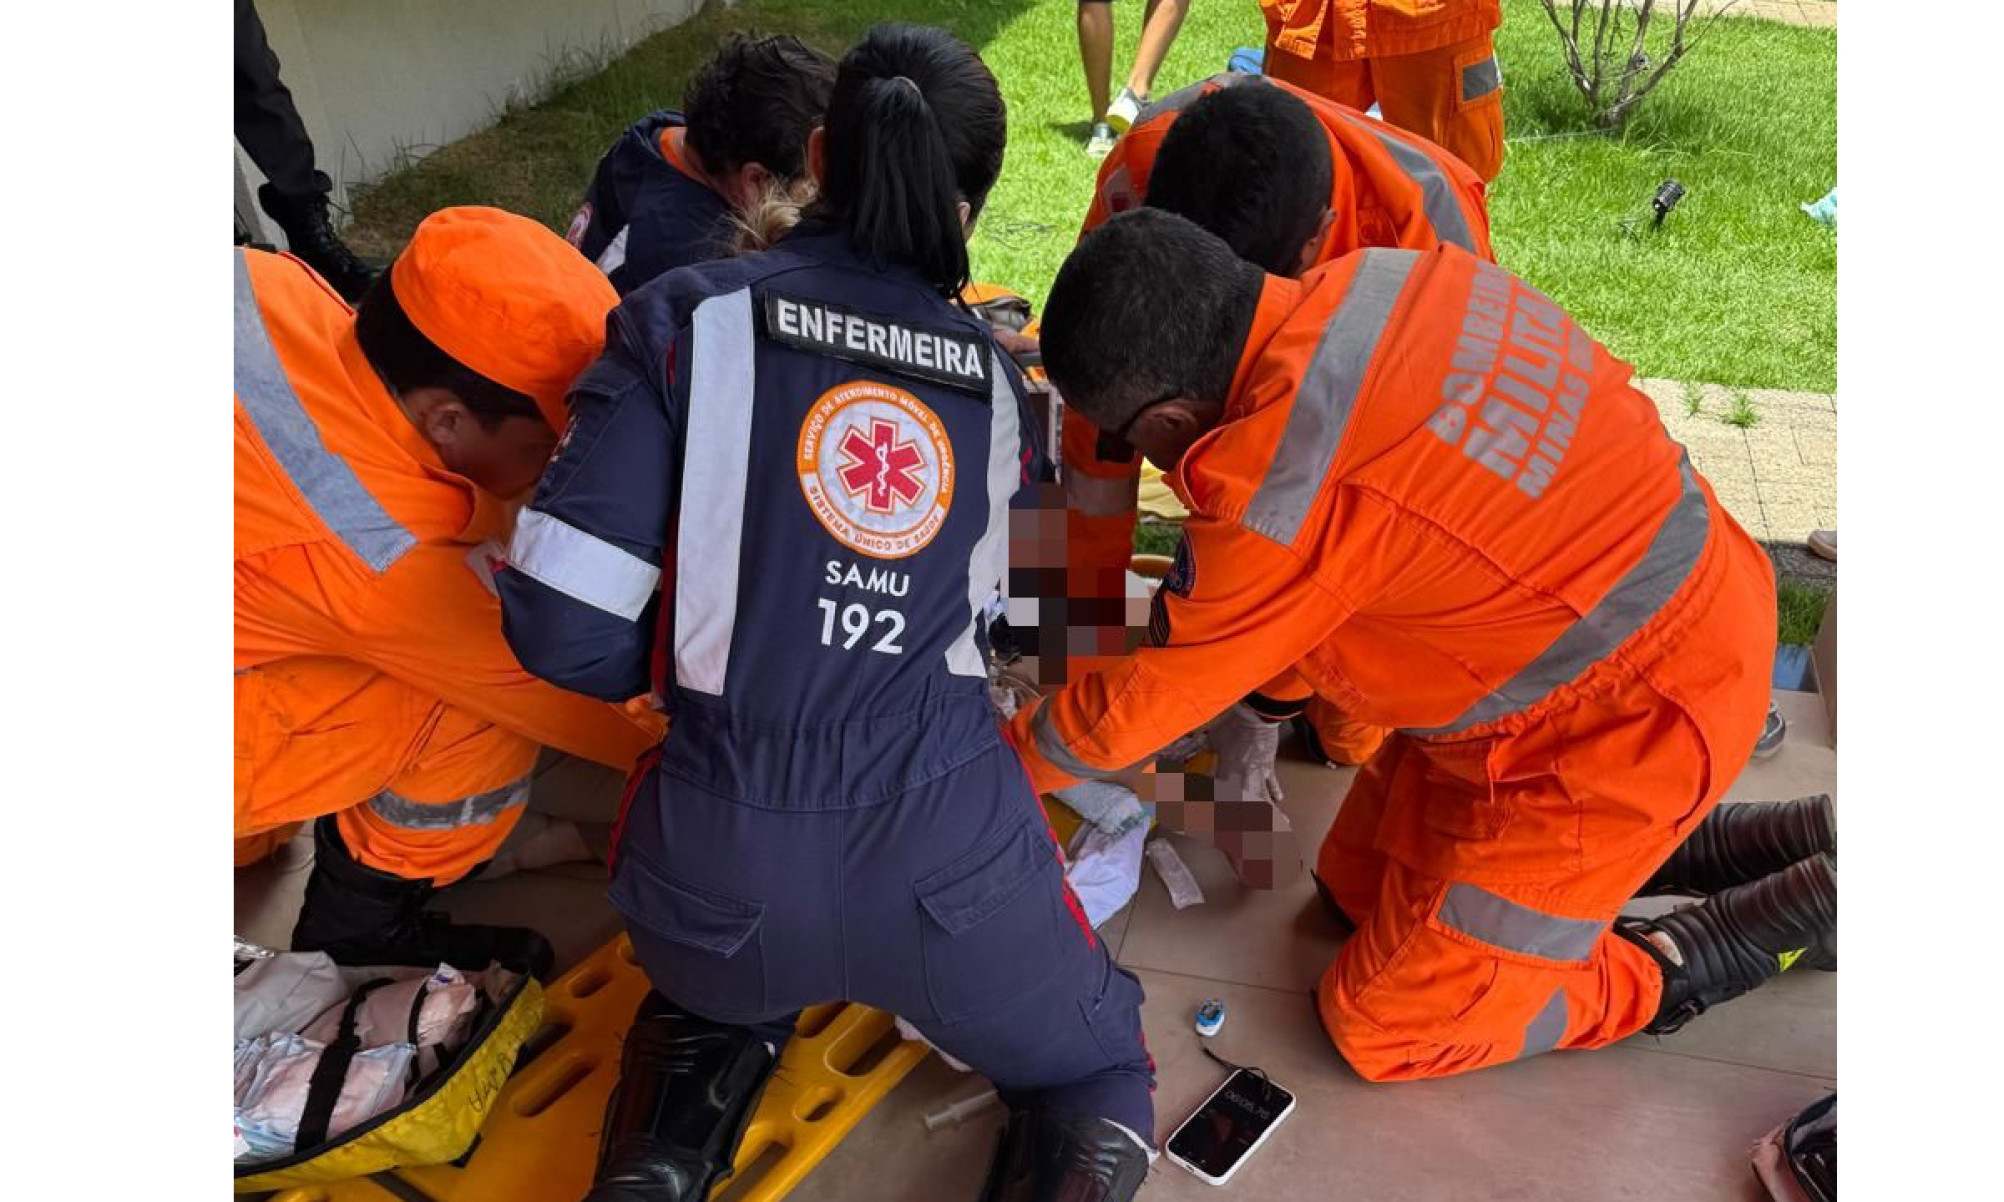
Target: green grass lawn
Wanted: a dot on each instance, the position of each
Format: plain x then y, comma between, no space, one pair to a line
1739,288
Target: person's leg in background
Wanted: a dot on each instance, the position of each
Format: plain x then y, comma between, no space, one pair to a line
1452,96
295,194
1345,82
407,794
1096,56
1158,33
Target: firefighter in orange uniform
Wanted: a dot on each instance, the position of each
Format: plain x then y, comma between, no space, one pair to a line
376,451
1290,181
1416,481
1429,64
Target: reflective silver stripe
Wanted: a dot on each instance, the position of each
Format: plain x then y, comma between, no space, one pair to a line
613,257
1500,922
1052,746
397,810
336,495
1548,1028
1480,79
1601,630
715,454
1185,97
580,565
988,564
1101,496
1442,206
1328,391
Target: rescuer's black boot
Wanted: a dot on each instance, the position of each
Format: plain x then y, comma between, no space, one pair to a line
1744,841
1068,1158
687,1089
361,915
1736,939
309,234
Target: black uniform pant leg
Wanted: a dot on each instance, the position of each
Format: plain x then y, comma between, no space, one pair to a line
1073,1046
267,122
975,938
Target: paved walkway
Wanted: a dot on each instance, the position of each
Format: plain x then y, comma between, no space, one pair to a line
1778,477
1819,13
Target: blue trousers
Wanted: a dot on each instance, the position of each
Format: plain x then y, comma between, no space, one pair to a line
945,904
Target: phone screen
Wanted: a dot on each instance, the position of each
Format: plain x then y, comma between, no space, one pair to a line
1219,1135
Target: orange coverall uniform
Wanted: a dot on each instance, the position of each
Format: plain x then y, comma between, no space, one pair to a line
1389,188
1429,64
1448,508
372,680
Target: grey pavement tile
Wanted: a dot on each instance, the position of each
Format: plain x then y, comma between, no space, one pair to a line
1585,1126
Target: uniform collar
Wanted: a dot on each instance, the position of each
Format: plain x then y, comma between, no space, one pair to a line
675,151
486,515
1343,235
1278,298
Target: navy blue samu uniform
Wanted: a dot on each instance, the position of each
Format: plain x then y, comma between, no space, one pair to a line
782,505
644,213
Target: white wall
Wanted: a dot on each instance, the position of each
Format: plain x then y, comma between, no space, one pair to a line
374,78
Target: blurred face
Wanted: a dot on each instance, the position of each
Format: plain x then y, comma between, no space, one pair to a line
506,460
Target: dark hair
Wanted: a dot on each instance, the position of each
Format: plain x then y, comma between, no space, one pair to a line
1251,164
915,126
406,359
755,101
1147,307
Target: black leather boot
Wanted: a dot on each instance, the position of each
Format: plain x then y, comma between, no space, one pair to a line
687,1089
1736,939
309,234
1745,841
1073,1158
361,915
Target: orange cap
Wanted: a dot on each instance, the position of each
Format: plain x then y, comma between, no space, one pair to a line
507,298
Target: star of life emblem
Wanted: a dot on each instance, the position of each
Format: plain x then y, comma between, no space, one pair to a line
876,468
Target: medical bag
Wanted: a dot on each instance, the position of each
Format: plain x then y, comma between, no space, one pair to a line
447,1097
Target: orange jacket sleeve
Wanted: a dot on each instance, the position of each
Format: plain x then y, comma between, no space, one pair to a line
431,622
1236,612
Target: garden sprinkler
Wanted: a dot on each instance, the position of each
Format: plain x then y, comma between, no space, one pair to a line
1668,193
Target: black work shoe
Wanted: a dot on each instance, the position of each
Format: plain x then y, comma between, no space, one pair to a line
687,1089
1329,903
362,916
1736,939
1745,841
309,234
1072,1158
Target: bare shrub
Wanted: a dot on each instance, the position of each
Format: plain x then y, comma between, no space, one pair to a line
1604,43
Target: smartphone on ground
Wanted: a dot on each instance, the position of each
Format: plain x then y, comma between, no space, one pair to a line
1231,1124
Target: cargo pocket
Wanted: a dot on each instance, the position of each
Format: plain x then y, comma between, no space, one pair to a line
1457,791
1479,78
1113,1016
991,925
702,948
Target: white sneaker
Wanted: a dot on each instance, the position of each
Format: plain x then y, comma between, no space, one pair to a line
1126,107
1823,544
1101,143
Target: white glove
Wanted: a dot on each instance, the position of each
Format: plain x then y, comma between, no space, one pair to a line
1246,745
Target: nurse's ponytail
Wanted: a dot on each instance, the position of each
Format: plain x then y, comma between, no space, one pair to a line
915,126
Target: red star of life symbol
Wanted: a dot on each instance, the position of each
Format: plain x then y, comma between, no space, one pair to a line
879,469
